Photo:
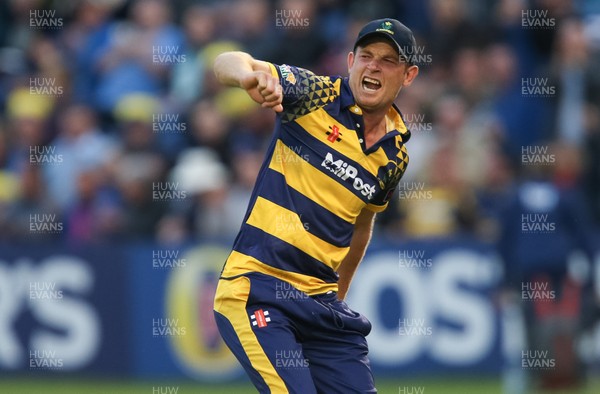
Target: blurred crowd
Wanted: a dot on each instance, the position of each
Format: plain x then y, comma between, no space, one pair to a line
112,122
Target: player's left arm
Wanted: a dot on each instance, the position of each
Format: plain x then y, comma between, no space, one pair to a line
363,228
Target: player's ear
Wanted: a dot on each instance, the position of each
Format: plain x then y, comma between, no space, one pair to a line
411,74
350,60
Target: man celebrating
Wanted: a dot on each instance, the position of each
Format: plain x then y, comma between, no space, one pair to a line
336,157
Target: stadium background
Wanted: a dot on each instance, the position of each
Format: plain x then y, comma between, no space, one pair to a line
125,170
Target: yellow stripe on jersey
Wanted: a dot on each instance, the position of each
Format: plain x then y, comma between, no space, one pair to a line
286,225
376,208
230,301
239,264
304,178
273,70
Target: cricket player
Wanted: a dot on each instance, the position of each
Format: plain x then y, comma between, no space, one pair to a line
337,154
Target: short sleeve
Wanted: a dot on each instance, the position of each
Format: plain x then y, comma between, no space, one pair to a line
381,200
389,177
303,91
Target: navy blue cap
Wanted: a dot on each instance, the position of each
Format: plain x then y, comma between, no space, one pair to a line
393,30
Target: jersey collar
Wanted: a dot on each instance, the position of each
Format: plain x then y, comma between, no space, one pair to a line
394,115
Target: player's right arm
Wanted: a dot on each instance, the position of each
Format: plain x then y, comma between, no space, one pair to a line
239,69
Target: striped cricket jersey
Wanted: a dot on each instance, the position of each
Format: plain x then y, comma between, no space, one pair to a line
316,179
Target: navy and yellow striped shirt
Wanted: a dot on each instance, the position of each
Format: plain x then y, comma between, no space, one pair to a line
316,179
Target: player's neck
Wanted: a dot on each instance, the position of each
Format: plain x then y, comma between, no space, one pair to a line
375,127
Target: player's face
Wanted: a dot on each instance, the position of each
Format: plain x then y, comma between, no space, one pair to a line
377,74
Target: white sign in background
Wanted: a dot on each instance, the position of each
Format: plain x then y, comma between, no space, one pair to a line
52,292
445,291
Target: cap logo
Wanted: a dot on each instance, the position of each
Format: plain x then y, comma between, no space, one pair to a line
386,27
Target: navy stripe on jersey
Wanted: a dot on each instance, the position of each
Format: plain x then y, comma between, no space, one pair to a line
319,150
321,222
280,254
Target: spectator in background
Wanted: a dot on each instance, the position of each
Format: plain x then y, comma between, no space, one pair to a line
139,167
81,216
210,128
203,213
16,221
495,192
83,38
591,151
137,176
541,227
28,118
290,47
452,29
187,80
8,179
83,146
468,80
135,115
591,119
135,57
522,120
15,22
49,68
248,154
570,71
456,165
252,26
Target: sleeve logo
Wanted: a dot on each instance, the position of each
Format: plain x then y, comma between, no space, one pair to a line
287,74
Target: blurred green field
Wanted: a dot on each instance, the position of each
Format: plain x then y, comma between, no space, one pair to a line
72,386
110,387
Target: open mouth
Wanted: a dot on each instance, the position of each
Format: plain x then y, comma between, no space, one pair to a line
371,84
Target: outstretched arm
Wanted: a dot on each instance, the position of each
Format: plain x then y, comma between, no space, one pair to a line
239,69
363,229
